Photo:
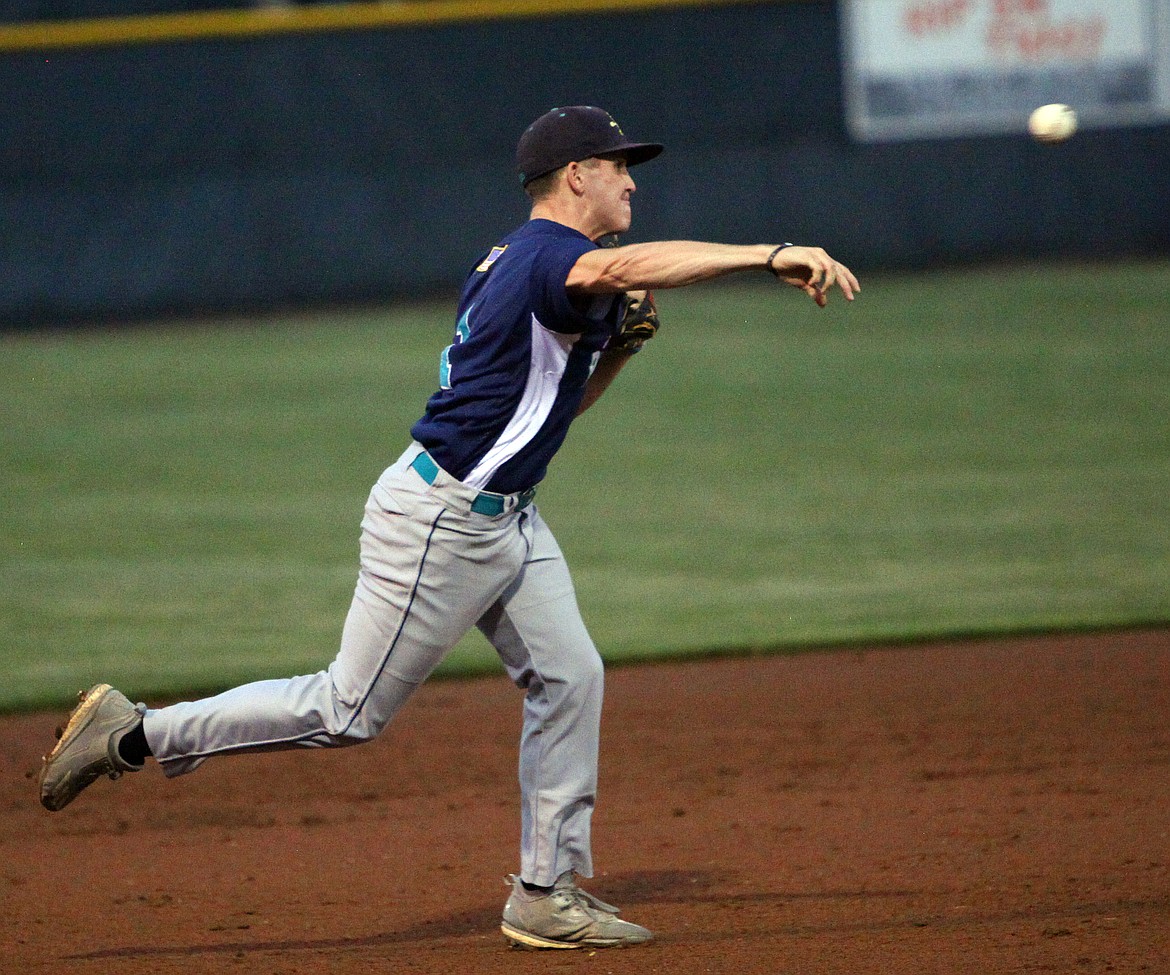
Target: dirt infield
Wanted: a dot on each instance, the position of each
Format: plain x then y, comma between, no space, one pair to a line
987,807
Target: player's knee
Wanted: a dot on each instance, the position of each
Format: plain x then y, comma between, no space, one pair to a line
357,733
355,726
592,670
365,717
584,680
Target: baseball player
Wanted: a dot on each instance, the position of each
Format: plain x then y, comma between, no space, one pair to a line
452,539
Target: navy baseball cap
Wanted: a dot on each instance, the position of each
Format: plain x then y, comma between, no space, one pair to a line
565,135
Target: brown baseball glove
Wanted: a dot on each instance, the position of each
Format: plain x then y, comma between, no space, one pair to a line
639,314
639,322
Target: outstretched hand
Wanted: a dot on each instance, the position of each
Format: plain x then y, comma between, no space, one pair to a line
814,272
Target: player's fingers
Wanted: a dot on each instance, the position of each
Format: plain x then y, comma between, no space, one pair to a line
816,270
848,281
817,294
830,275
820,273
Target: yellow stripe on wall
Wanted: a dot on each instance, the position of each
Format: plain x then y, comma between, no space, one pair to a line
264,21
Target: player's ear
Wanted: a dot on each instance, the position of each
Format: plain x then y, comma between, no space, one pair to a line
575,178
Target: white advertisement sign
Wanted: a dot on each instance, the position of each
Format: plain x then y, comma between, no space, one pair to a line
920,68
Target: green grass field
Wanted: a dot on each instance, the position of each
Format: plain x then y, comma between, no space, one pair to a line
963,452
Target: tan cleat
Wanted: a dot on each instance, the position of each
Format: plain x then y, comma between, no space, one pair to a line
565,917
88,748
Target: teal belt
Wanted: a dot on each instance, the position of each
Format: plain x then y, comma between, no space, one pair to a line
486,502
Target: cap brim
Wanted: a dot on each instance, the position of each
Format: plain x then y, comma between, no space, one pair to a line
632,152
636,152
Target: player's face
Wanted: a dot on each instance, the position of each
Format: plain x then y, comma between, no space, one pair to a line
609,189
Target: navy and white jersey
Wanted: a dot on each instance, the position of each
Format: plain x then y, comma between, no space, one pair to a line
513,379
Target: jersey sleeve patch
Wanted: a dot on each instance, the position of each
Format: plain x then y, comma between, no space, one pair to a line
493,256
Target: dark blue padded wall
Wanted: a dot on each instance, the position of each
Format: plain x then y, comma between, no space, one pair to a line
365,166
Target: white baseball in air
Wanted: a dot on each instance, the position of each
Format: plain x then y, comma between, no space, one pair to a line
1052,123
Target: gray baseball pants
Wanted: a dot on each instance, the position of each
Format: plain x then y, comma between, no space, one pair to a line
430,570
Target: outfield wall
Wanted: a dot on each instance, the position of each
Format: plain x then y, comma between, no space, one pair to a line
362,165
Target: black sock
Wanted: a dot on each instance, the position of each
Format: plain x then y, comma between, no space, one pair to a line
133,748
534,888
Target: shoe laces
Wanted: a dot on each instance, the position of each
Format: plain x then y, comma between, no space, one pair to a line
567,883
593,902
567,893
